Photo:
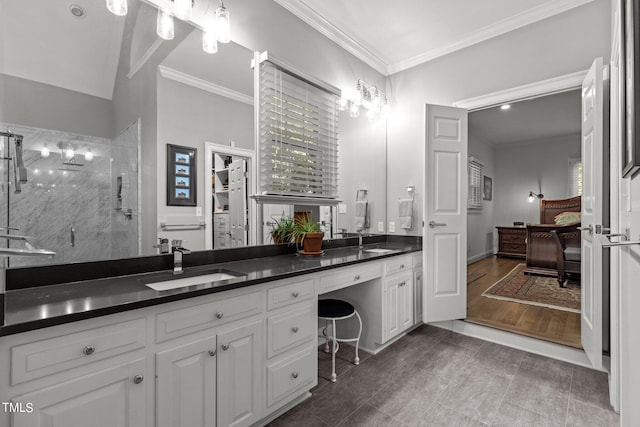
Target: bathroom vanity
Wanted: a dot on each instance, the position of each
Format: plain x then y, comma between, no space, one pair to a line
237,351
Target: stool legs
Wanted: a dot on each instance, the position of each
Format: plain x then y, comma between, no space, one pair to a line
335,341
356,361
334,344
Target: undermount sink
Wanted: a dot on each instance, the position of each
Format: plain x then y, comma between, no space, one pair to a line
378,250
191,281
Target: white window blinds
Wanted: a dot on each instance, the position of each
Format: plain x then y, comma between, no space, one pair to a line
297,136
575,178
474,195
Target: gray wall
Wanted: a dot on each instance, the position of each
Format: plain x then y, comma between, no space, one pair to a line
480,222
556,46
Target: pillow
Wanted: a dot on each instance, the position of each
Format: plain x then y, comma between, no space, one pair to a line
566,218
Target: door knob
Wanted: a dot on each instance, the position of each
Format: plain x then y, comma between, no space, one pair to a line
225,347
589,229
138,379
434,224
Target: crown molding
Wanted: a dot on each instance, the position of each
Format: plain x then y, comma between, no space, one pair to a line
528,91
333,33
380,64
188,79
145,57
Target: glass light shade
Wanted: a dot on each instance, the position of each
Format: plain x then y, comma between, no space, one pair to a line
223,26
209,41
376,102
117,7
182,9
164,26
343,104
44,152
531,198
357,96
354,111
89,156
69,153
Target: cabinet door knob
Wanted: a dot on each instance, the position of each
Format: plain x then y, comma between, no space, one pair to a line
295,294
294,329
225,347
219,315
294,375
357,277
212,352
401,265
138,379
88,350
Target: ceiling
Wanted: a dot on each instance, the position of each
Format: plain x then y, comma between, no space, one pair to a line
44,42
393,36
536,119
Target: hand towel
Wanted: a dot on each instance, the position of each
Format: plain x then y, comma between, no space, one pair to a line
361,214
405,213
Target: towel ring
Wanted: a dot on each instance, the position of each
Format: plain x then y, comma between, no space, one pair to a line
361,195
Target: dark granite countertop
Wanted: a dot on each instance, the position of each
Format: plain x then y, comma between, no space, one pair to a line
44,306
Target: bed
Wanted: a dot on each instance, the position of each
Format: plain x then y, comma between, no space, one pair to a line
541,245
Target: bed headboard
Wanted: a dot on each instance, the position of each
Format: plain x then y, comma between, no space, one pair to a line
550,208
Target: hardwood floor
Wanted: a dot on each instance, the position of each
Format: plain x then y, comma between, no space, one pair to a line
557,326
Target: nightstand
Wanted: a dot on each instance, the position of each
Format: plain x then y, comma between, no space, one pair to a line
512,242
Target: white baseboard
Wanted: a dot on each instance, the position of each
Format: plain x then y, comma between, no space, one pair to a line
521,342
480,256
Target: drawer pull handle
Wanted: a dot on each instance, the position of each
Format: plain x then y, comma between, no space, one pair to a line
294,375
212,352
138,379
401,265
295,294
219,315
403,283
88,350
294,329
225,347
357,277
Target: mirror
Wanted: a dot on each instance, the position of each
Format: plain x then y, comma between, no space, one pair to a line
103,96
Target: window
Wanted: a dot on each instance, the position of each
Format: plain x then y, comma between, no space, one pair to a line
474,196
575,177
298,134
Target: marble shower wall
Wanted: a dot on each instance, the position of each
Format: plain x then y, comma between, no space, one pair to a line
68,208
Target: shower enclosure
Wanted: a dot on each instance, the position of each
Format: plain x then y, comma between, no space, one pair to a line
80,198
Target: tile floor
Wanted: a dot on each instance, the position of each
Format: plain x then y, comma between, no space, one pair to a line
434,377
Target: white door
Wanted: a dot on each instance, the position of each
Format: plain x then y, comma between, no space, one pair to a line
186,385
592,211
238,202
390,309
444,252
240,375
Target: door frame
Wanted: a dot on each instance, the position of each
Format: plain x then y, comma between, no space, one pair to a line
250,156
551,86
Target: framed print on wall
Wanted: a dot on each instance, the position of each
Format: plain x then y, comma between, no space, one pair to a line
181,175
631,72
487,189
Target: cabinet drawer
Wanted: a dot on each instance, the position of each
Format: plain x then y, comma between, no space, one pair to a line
290,294
291,375
350,276
397,264
46,357
512,238
290,329
176,323
513,247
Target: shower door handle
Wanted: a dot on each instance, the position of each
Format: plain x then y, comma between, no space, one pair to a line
73,237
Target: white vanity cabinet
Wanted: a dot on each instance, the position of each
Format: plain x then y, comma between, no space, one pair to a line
417,288
397,308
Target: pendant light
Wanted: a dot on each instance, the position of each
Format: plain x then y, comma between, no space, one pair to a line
223,26
209,40
164,25
117,7
182,9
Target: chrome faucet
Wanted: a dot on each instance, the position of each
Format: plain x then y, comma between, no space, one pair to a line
178,251
360,239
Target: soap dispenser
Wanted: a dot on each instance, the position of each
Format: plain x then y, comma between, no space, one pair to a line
163,245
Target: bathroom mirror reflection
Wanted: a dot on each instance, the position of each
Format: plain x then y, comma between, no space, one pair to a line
98,97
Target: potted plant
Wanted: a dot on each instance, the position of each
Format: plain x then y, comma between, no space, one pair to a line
307,230
281,230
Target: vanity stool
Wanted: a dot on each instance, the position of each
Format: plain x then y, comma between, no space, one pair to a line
332,310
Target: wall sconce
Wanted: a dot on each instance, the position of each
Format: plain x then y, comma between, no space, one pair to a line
368,96
532,196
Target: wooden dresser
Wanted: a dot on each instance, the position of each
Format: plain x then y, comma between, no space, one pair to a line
512,242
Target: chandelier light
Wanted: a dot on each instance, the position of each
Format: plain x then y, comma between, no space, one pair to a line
368,96
216,27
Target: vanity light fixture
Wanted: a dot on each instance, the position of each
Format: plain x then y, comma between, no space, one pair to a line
183,9
223,25
89,156
369,97
117,7
164,25
532,196
210,41
44,153
69,153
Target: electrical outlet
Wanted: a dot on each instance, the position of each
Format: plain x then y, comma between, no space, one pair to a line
198,211
392,227
342,208
381,227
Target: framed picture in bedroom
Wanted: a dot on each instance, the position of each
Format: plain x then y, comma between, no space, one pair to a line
181,175
487,188
631,77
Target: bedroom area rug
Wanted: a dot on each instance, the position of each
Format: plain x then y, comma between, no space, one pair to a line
536,290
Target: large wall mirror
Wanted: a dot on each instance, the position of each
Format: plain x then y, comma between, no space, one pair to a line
97,98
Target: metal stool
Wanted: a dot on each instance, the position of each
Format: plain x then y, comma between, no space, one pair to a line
332,310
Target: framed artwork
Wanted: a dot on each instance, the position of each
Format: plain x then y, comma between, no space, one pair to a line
487,188
181,175
631,77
